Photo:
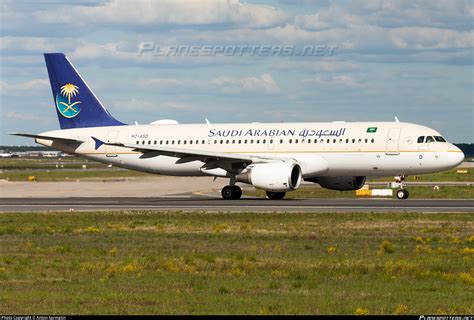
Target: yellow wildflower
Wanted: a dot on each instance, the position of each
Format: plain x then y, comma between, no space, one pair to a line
401,309
361,311
331,249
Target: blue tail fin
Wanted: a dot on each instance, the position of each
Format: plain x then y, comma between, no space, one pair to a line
76,104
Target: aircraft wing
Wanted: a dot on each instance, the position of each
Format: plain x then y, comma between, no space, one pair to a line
35,136
218,159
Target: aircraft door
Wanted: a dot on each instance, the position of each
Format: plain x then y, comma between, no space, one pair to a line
110,151
393,141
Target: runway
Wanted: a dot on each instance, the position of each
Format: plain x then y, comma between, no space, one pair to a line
199,203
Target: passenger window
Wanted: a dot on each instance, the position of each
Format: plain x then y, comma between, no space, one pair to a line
258,141
366,140
184,142
240,141
251,141
347,140
138,142
421,139
161,141
328,141
233,141
222,141
203,141
179,141
334,141
172,142
264,141
296,140
281,140
167,141
290,141
143,142
353,140
372,140
429,139
227,142
190,141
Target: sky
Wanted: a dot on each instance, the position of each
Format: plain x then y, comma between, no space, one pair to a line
371,60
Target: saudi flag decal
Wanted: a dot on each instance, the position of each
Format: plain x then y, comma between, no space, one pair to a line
372,129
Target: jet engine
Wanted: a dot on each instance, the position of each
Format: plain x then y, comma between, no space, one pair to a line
274,176
342,183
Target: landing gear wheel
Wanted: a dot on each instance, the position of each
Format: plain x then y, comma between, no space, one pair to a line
275,195
237,193
231,192
402,194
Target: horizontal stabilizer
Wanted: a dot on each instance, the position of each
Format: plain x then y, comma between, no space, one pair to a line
35,136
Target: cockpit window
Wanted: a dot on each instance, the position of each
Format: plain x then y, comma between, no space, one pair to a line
429,139
439,139
421,139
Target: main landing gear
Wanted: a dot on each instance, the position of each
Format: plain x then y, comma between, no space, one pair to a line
275,195
231,192
401,193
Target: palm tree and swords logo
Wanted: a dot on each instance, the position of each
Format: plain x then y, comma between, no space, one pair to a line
63,100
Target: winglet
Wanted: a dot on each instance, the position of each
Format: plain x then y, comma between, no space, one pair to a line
98,143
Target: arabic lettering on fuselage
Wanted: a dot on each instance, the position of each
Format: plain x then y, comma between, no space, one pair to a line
215,133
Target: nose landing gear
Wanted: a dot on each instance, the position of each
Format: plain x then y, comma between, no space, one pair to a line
401,193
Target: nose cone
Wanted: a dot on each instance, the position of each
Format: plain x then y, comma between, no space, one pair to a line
456,156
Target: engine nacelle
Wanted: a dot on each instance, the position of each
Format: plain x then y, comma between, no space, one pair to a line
276,177
342,183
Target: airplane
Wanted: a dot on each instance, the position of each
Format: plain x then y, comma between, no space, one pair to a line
274,157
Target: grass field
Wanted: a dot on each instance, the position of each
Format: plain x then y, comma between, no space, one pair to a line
236,263
449,175
47,163
73,175
444,192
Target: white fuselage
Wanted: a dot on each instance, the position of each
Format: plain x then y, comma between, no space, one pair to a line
349,148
